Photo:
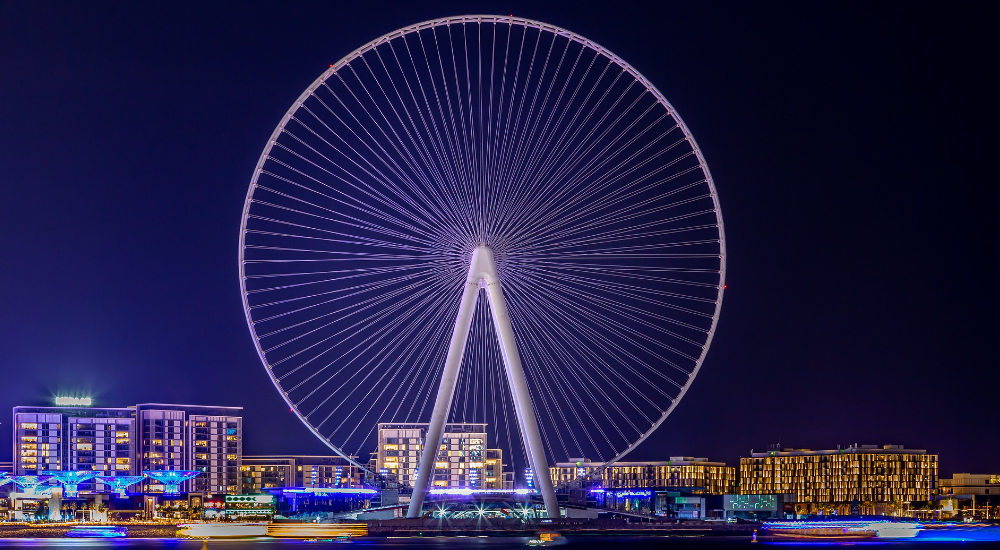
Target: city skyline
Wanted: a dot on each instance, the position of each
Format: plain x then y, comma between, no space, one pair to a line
843,322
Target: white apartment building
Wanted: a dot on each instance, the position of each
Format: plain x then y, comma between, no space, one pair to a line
463,461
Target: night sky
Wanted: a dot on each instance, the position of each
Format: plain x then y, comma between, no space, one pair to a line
852,148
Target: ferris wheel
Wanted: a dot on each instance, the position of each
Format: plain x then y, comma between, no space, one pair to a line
483,219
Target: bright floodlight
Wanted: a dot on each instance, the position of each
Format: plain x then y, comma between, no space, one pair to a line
483,156
70,480
171,479
120,483
73,401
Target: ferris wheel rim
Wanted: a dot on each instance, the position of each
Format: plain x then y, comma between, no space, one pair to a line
495,19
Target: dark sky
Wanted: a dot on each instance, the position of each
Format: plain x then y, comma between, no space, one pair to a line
853,149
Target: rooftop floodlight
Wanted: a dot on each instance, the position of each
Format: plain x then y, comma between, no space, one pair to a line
70,480
119,483
171,479
29,484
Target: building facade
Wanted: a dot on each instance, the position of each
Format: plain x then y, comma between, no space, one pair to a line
463,461
307,471
698,475
75,438
860,475
206,439
970,496
130,440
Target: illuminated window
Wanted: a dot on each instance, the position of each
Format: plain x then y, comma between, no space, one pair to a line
29,426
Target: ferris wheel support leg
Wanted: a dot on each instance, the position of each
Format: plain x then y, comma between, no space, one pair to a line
446,391
522,399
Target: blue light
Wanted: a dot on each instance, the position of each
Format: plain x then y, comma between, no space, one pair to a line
119,483
631,493
71,480
171,479
97,531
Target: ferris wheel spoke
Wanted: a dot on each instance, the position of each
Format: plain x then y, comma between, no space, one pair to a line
385,198
349,221
573,314
639,316
567,159
620,235
358,183
419,145
382,383
580,151
584,283
343,275
449,178
350,240
559,203
365,322
548,128
548,157
522,175
396,141
562,337
581,307
345,293
457,164
370,337
530,146
430,169
576,221
556,366
504,148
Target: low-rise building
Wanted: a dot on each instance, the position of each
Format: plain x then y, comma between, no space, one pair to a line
463,461
850,480
680,472
970,496
262,472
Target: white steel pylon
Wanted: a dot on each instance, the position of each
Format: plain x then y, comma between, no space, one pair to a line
483,274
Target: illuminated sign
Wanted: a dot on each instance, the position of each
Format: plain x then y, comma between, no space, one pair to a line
73,401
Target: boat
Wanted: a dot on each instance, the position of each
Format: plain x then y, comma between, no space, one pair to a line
841,529
97,531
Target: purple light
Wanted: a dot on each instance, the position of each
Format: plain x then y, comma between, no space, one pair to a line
119,483
171,479
329,491
467,492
